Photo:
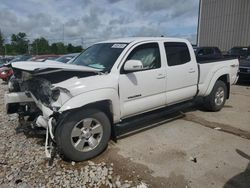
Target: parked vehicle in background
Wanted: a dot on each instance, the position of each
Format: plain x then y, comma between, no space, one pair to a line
42,58
207,53
8,58
66,58
80,103
244,69
239,52
21,58
2,62
6,73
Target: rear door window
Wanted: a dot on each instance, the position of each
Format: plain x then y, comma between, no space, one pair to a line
177,53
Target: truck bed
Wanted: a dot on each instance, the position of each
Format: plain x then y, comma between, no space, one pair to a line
210,71
215,60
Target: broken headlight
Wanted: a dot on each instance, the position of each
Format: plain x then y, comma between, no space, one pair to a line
55,94
59,96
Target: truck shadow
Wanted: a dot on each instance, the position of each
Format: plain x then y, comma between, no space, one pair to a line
243,83
153,119
241,180
131,128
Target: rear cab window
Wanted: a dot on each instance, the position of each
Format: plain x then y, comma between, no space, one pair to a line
177,53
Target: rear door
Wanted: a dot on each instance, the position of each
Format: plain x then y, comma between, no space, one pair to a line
182,72
143,90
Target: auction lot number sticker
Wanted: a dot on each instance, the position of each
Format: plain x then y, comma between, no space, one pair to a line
119,46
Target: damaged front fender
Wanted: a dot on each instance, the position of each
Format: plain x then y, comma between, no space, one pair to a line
95,96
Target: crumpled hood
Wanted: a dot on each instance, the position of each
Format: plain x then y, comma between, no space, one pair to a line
31,66
77,86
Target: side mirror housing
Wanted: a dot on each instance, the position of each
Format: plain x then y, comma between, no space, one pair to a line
133,65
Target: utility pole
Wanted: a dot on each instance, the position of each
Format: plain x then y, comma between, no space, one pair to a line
5,43
82,41
5,50
63,33
36,48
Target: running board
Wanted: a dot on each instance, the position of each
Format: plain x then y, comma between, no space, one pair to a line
148,120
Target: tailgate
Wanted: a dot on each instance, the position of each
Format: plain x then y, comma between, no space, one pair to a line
234,69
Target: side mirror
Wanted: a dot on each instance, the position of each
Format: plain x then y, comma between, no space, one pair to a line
133,65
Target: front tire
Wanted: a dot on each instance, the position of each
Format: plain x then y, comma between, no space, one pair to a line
83,134
217,98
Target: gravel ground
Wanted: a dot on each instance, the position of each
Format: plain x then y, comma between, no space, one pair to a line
23,162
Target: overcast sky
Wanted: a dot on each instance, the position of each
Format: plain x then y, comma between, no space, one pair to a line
99,20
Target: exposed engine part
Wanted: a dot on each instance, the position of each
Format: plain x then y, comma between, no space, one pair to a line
48,145
42,122
26,126
40,88
29,111
50,127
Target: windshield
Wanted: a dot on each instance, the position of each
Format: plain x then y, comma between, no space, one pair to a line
100,56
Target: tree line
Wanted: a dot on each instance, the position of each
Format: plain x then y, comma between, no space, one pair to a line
21,45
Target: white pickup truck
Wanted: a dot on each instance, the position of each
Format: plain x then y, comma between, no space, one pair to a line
78,103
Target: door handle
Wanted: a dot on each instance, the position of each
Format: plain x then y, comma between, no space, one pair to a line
233,65
191,70
160,76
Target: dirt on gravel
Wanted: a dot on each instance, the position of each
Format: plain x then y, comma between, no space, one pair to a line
138,172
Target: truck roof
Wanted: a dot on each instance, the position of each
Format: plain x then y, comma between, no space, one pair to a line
142,39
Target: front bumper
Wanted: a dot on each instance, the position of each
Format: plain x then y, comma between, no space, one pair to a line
11,100
17,98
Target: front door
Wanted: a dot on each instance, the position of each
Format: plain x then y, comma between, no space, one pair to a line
143,90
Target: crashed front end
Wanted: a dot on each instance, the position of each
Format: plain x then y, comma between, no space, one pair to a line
36,97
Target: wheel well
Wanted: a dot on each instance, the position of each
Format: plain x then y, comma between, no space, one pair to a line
225,79
105,106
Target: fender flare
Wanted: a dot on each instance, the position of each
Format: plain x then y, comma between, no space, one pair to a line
220,72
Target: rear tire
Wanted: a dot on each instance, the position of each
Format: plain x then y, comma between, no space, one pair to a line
83,134
217,98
